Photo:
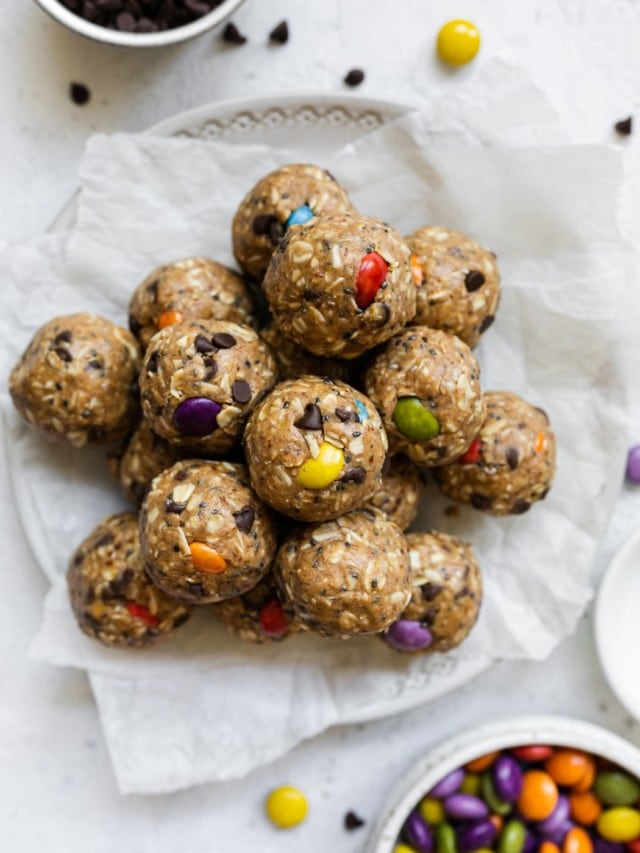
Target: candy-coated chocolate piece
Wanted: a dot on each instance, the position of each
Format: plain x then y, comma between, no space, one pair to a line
556,819
418,833
446,841
633,464
169,318
465,807
414,420
139,611
407,635
620,823
512,837
585,807
539,795
480,834
403,848
577,840
567,766
273,620
490,795
473,453
320,472
196,416
448,785
286,807
363,414
482,763
370,277
432,811
548,847
300,215
458,42
532,752
507,778
615,788
470,784
207,559
416,271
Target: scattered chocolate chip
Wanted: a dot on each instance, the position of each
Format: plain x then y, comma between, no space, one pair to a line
63,337
280,33
134,326
175,506
240,391
352,821
223,341
79,93
474,280
386,465
63,353
354,475
346,415
311,419
232,35
479,501
106,539
244,519
152,362
354,77
520,507
203,345
430,591
513,457
486,323
625,126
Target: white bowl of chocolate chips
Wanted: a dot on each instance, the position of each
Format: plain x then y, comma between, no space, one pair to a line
140,23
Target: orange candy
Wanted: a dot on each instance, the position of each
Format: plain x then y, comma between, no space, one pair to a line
568,766
539,795
585,808
416,271
586,783
540,442
548,847
577,840
207,559
479,765
497,821
169,318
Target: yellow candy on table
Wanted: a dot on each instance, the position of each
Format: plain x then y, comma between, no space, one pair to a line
286,807
620,824
432,811
458,42
320,472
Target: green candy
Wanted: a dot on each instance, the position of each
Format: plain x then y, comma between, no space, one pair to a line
512,838
614,788
491,798
446,839
414,420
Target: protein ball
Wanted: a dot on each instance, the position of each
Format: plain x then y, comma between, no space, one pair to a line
426,386
188,290
257,616
294,361
112,598
446,597
341,285
76,381
200,381
458,282
204,534
345,577
288,196
510,464
143,458
315,448
399,495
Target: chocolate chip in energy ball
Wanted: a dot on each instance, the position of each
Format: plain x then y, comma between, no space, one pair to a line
79,93
232,35
280,33
241,391
244,519
311,418
474,280
625,126
352,821
223,341
354,77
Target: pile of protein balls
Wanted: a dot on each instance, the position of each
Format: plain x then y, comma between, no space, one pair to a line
275,469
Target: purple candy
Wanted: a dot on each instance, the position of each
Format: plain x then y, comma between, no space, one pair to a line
507,778
449,784
481,834
465,807
557,835
633,464
407,635
602,846
418,833
530,843
557,817
196,416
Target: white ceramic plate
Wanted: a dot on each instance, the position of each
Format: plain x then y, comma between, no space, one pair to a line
316,124
617,624
442,759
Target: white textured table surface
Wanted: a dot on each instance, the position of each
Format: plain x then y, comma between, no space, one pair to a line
56,787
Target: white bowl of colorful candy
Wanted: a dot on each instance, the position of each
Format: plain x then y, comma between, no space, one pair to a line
525,785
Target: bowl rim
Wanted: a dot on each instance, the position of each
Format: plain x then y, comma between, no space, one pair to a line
508,732
119,39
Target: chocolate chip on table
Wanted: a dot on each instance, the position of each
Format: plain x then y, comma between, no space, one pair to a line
244,519
280,33
354,77
232,35
223,341
241,391
79,93
474,280
625,126
311,418
352,821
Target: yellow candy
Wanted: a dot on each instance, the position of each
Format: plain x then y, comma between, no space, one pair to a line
470,784
320,472
458,42
286,807
403,848
432,811
620,824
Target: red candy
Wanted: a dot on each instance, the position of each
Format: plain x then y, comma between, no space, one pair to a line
272,619
139,611
372,273
471,457
533,752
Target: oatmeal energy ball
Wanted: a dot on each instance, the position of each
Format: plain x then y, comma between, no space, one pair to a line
292,195
315,448
112,598
76,380
204,534
399,495
340,285
446,597
426,385
459,282
257,616
188,290
345,577
294,361
199,382
143,458
511,462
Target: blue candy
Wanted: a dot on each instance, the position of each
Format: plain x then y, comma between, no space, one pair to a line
363,414
300,215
